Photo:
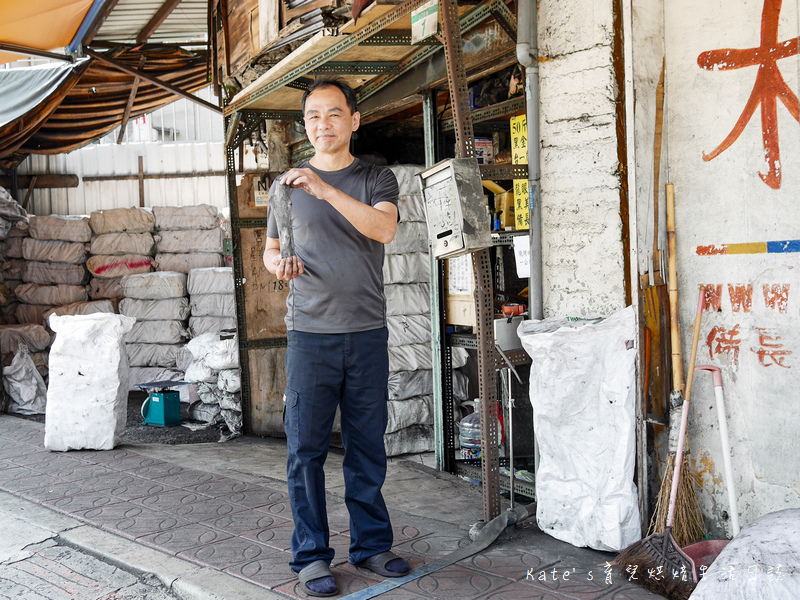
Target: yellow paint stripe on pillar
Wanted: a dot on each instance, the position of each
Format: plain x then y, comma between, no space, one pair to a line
754,248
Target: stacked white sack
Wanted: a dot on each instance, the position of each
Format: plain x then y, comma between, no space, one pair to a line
159,304
123,245
406,273
35,337
189,237
213,366
13,224
54,268
12,271
212,300
87,398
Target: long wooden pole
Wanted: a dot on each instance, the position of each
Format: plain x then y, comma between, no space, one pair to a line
674,321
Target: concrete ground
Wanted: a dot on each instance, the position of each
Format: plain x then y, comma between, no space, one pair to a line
211,521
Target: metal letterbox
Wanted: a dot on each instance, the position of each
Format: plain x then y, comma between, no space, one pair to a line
456,211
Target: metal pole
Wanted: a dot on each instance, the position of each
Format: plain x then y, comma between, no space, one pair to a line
484,305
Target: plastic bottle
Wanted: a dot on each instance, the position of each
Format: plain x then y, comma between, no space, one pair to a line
469,433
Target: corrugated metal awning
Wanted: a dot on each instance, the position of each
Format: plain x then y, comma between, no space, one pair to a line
187,23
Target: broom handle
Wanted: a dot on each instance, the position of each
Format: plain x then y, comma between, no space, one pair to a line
674,321
695,338
673,494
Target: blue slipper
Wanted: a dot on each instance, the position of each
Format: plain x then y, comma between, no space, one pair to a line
316,579
387,564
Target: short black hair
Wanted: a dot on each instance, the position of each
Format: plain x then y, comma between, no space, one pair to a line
320,82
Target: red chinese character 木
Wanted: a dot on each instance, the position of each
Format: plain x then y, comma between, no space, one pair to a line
769,87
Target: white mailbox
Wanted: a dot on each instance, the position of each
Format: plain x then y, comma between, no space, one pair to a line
457,213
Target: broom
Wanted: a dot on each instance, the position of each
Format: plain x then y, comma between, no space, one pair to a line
689,527
665,569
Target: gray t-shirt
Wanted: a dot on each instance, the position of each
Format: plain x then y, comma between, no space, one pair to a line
341,289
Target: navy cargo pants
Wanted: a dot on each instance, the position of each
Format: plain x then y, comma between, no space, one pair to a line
348,370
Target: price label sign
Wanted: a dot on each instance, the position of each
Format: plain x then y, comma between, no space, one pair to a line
425,21
519,140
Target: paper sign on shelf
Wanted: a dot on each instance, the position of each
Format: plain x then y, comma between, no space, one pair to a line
425,21
522,255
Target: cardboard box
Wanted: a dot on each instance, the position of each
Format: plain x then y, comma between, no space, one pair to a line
484,151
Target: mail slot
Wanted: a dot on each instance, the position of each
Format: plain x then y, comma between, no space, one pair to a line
457,213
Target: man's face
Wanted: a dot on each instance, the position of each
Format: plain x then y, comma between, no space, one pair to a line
329,122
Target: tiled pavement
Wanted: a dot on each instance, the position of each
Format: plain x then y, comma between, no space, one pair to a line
243,528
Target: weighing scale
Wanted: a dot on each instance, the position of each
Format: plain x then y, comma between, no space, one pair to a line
163,406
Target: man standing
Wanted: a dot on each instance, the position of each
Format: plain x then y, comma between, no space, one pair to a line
343,212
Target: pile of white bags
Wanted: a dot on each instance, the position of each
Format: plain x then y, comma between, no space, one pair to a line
211,361
189,237
406,273
87,396
24,384
123,245
212,300
159,304
54,268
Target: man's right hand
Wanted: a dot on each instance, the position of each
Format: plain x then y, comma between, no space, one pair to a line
288,268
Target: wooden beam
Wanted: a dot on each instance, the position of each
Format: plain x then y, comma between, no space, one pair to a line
158,18
141,181
153,80
43,181
26,51
30,192
99,20
129,106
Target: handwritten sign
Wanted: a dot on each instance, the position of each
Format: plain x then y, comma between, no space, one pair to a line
522,255
424,21
519,140
521,214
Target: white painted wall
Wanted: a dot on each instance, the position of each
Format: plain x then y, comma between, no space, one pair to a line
724,201
581,226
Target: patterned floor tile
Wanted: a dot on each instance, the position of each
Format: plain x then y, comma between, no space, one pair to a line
157,470
132,461
83,472
27,480
83,501
107,482
187,477
404,533
59,489
45,461
227,553
499,561
338,518
518,591
573,582
207,509
245,521
102,457
435,544
277,508
138,488
183,538
130,520
270,571
220,487
458,582
255,497
341,548
13,472
171,500
277,536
